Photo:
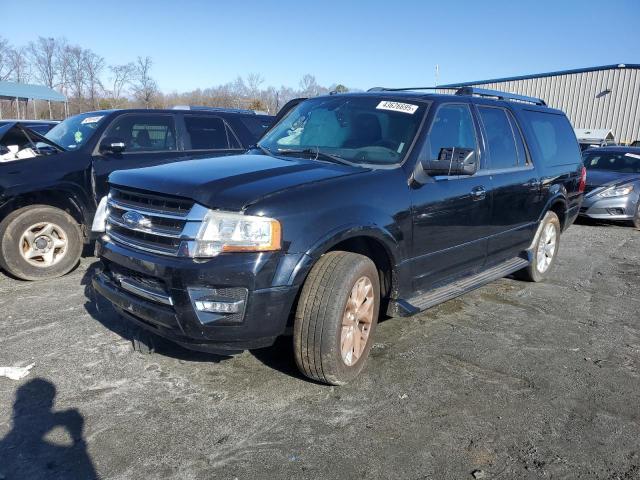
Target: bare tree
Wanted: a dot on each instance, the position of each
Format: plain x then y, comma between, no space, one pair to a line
121,76
144,87
94,64
20,65
308,86
42,55
6,65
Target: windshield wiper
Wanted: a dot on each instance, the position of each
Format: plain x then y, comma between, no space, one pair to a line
317,153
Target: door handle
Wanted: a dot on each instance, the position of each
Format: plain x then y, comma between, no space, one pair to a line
478,193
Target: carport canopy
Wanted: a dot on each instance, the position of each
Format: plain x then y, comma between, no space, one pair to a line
26,91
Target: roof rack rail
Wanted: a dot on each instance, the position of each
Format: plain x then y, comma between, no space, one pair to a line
213,109
385,89
483,92
480,92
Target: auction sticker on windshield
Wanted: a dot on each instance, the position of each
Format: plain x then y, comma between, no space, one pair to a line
92,119
397,107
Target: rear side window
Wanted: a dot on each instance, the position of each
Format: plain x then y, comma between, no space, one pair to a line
501,139
554,137
209,133
257,126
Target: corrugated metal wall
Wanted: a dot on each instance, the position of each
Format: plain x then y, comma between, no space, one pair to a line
576,93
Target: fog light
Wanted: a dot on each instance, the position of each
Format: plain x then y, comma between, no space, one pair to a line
615,211
219,307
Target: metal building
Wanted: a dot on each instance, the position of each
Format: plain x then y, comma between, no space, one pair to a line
606,97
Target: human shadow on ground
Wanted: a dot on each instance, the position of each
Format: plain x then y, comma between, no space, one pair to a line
43,443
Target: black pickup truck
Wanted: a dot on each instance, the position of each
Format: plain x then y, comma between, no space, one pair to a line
51,184
388,201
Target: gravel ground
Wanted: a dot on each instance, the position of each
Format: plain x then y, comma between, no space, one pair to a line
515,380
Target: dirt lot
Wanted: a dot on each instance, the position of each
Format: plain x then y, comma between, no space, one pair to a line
515,380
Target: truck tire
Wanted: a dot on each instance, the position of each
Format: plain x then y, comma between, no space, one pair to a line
545,249
39,242
336,317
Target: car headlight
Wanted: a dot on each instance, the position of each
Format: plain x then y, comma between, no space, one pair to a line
235,232
616,191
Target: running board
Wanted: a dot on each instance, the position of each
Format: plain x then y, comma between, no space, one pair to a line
404,308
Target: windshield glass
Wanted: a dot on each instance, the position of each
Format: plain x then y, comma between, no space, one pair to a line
613,161
362,130
75,131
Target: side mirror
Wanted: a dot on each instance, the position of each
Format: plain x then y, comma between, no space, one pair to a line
113,145
452,162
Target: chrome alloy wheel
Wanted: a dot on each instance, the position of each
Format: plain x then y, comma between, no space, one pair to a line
546,247
357,321
43,244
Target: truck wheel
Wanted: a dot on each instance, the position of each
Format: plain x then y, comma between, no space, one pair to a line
39,242
545,249
336,317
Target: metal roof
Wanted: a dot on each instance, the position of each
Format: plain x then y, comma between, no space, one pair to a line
548,74
12,90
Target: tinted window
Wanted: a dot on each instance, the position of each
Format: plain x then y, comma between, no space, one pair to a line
523,159
613,161
207,133
144,133
257,126
554,137
451,127
500,139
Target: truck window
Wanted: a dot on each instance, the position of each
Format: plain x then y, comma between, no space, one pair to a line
144,133
451,127
500,138
257,126
554,138
209,133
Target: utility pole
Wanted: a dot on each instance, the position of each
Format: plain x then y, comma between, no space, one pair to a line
437,74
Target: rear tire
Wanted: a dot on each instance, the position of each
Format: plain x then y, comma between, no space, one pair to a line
336,317
39,242
545,249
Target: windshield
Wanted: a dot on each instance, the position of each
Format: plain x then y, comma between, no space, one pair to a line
362,130
75,131
613,161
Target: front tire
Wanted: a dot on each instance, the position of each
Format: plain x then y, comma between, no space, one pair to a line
39,242
336,317
545,249
636,218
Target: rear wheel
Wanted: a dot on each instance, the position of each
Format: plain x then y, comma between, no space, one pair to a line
545,249
336,317
39,242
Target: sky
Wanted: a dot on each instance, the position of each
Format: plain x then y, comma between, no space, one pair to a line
361,44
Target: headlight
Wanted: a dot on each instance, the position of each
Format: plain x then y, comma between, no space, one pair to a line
235,232
616,191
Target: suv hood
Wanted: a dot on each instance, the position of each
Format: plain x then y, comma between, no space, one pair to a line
17,141
232,182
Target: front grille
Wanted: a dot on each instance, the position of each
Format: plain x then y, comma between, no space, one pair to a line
153,222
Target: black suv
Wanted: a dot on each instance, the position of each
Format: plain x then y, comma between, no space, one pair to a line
352,204
51,185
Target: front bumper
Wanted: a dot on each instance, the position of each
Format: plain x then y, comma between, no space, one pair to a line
266,306
614,208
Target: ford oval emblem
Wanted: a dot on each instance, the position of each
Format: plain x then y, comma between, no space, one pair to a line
135,220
